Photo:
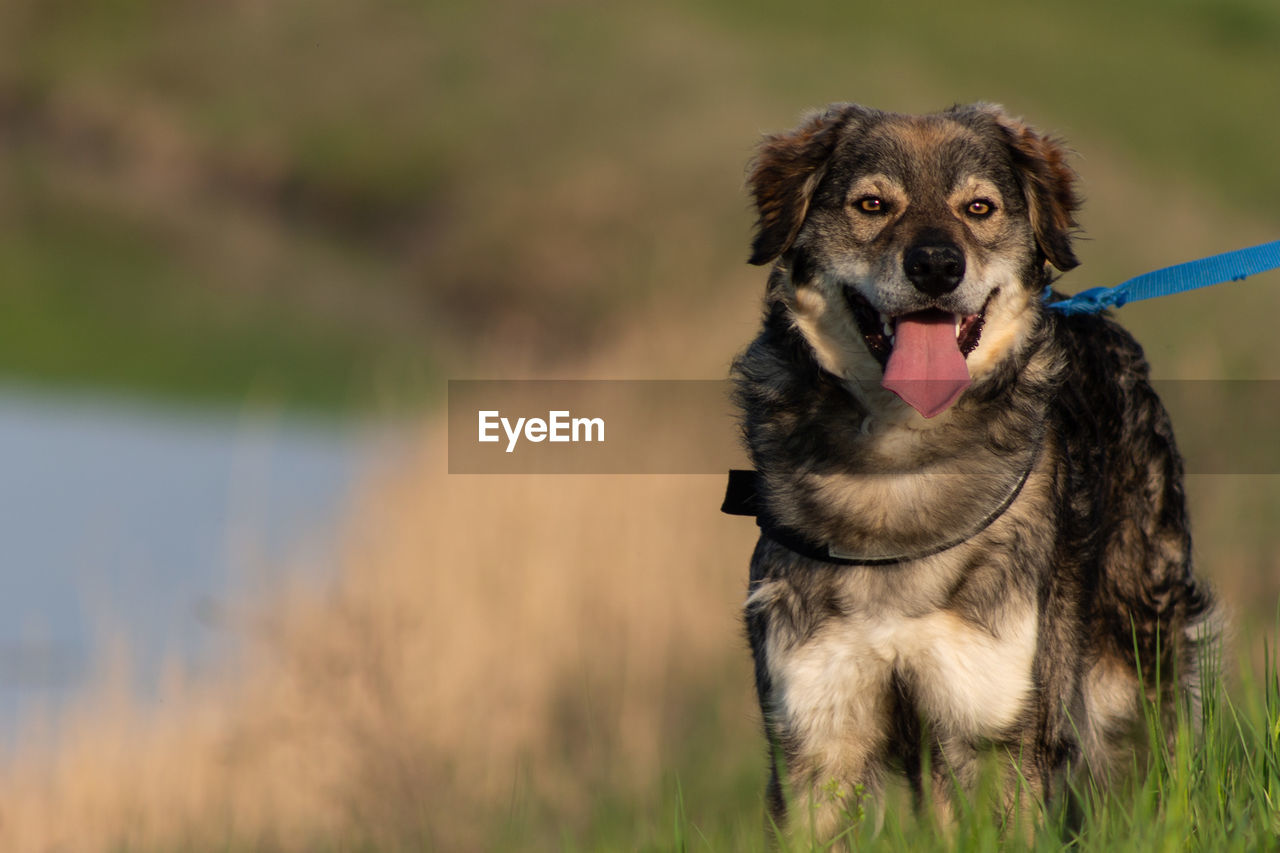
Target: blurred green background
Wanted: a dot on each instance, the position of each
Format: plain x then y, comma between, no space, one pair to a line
336,205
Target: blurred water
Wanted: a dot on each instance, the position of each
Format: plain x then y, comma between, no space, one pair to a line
123,521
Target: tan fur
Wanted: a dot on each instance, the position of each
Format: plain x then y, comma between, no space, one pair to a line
1113,712
831,332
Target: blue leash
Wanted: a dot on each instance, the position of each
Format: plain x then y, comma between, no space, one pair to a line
1229,266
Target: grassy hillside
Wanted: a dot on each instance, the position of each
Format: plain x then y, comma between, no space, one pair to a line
337,203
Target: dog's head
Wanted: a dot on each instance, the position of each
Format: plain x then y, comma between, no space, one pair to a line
913,249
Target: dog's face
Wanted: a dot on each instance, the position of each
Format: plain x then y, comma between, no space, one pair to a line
913,247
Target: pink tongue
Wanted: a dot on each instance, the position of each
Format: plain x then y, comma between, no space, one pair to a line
926,368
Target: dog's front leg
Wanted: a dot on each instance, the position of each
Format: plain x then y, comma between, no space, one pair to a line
827,713
1005,777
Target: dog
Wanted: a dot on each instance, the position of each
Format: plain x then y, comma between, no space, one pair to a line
974,536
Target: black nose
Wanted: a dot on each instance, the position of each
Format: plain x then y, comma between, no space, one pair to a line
934,269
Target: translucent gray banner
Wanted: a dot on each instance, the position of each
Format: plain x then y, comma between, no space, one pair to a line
690,426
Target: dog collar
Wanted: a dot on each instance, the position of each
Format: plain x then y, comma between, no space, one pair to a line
1217,269
742,498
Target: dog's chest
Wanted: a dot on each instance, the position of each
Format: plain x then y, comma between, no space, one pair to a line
967,678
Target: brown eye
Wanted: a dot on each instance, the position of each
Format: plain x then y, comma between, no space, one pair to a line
980,208
871,204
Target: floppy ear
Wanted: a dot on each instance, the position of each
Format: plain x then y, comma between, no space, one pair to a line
786,170
1048,183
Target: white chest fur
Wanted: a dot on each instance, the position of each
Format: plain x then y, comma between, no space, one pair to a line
967,679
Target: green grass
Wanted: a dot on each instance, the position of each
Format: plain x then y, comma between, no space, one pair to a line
1217,790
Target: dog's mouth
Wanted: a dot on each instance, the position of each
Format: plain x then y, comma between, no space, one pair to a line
879,330
922,352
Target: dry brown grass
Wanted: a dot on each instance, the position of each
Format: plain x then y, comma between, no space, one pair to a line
486,633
